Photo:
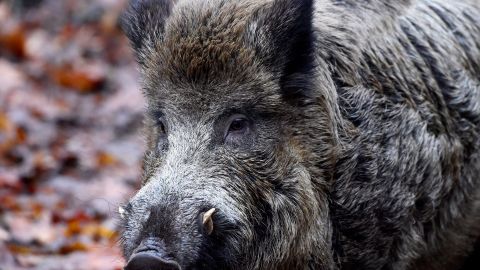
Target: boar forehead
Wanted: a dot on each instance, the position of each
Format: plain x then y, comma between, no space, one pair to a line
203,59
214,99
203,41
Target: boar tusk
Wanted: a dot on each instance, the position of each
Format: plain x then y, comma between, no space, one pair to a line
207,221
121,211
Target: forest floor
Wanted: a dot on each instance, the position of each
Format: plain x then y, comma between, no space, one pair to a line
70,147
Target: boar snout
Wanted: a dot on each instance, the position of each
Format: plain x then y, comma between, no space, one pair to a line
173,232
151,254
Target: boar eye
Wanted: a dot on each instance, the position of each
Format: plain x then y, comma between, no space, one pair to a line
159,123
162,134
238,126
161,127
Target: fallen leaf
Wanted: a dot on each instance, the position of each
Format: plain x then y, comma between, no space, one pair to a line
73,228
21,135
106,159
13,40
83,81
9,202
99,232
19,249
73,247
5,124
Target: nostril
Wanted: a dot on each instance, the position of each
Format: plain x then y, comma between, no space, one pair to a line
150,261
151,255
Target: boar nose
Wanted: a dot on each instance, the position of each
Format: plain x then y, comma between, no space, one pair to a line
147,261
151,255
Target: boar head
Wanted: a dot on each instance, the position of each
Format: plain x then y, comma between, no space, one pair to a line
239,141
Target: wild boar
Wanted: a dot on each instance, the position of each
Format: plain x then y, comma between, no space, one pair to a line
300,134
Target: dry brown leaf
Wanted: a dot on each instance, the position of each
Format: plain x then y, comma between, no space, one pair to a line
14,41
9,202
5,124
99,232
73,228
106,159
80,80
13,135
19,249
73,247
21,135
37,209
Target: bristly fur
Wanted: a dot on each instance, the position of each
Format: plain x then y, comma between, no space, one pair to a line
152,17
365,146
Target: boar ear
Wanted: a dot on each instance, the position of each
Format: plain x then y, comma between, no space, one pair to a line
282,37
143,22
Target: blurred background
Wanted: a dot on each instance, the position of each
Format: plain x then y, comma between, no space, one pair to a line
70,148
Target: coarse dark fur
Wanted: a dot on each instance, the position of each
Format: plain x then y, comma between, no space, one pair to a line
363,144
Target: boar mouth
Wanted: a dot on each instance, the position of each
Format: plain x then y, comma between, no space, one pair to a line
151,255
